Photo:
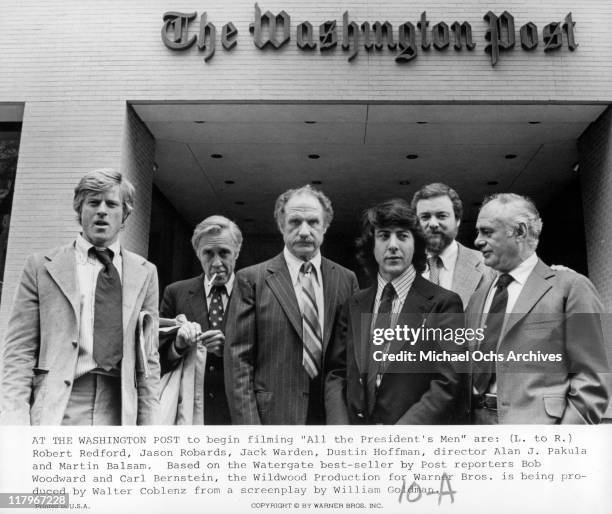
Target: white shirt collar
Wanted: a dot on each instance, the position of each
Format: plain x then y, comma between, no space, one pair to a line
523,270
448,255
294,264
401,284
82,247
228,285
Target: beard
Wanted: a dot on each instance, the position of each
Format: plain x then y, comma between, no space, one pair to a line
437,241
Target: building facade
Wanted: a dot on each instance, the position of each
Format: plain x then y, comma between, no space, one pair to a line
217,107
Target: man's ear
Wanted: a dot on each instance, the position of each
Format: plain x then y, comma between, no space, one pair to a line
521,230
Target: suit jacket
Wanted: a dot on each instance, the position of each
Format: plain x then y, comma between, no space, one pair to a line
470,272
437,395
549,315
187,297
264,377
41,344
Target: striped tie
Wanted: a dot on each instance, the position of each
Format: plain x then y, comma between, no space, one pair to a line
311,328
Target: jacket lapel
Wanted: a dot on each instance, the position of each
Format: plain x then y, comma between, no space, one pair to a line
535,287
330,283
467,273
62,268
279,282
414,311
361,318
133,279
475,309
418,298
197,303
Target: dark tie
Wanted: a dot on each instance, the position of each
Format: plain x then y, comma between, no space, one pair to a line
215,312
311,327
483,375
108,320
435,263
383,321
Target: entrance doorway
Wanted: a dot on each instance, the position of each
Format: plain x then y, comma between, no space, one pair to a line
235,159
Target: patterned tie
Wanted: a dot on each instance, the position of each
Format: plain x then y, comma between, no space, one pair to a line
311,328
383,321
435,263
108,319
215,313
495,321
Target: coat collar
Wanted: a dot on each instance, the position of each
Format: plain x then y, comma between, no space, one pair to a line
469,269
279,281
134,277
418,301
535,287
196,300
61,265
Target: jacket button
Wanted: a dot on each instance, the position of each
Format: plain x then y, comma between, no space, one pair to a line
360,415
211,368
75,344
67,382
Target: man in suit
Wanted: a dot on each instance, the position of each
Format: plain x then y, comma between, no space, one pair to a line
529,310
363,388
284,315
70,355
203,300
449,263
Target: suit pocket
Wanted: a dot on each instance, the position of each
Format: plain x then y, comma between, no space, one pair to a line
264,402
555,406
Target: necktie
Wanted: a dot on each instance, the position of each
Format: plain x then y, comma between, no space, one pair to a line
495,321
215,312
108,319
435,263
311,328
383,321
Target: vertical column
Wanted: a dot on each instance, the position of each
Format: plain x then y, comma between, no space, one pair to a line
137,161
60,141
595,151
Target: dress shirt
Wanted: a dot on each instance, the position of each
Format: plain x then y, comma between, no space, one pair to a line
224,294
87,269
520,275
294,264
402,285
447,270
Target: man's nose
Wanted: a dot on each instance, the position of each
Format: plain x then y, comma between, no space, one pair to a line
434,222
102,208
393,242
217,262
478,242
304,229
